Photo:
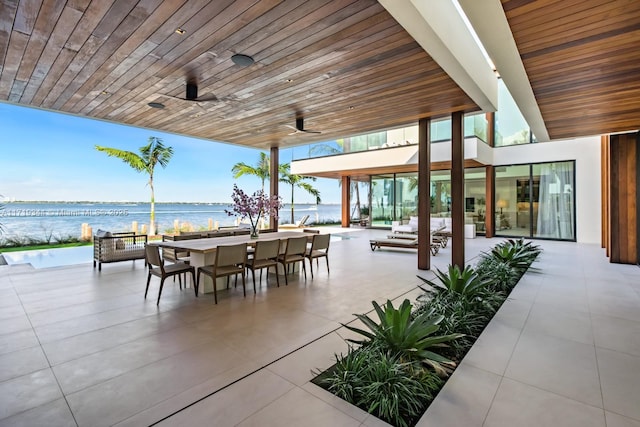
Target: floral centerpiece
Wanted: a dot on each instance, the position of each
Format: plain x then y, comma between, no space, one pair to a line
253,207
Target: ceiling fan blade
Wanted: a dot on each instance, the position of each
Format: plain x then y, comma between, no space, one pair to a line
311,131
205,98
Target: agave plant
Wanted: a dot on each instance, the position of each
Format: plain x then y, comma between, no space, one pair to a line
411,338
516,253
467,282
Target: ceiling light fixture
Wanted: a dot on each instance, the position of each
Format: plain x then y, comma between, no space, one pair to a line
242,60
180,31
156,105
104,92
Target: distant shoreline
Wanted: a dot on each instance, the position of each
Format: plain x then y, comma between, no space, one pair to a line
77,202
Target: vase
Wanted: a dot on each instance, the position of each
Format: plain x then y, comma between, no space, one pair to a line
255,233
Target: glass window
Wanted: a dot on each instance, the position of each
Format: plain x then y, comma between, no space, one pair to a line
441,193
382,200
475,193
512,215
511,127
406,196
553,201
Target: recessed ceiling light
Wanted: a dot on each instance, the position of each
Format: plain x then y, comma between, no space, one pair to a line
104,92
289,80
242,60
180,31
156,105
351,107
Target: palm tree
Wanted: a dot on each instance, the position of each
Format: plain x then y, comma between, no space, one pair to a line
261,169
293,180
150,155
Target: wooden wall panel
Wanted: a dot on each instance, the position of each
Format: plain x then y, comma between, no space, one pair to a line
623,196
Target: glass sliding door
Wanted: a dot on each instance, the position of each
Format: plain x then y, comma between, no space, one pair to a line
536,201
406,196
554,213
475,194
382,200
512,201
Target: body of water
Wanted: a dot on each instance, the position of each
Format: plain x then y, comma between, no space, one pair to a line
60,220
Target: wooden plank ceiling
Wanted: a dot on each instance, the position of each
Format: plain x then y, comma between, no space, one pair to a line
344,65
583,61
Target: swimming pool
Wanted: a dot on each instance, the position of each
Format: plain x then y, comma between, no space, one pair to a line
44,258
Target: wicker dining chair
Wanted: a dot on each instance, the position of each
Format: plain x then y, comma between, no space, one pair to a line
230,261
294,252
264,256
159,269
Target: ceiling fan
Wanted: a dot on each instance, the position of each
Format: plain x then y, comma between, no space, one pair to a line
192,95
299,128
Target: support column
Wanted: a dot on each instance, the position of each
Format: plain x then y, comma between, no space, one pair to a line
346,201
274,159
489,215
457,189
424,194
491,129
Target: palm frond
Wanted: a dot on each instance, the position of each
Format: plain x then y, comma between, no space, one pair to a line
129,157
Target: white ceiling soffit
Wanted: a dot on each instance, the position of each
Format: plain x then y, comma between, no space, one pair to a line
490,24
441,32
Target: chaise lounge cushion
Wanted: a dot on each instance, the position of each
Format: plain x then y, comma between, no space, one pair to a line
410,227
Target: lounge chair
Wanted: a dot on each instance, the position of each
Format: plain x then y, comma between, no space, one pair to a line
299,224
404,241
410,227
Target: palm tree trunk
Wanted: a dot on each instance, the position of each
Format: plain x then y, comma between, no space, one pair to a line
152,219
292,219
358,200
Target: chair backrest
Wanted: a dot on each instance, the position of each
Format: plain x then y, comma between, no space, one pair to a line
296,245
153,256
311,230
413,221
266,249
219,233
320,242
231,255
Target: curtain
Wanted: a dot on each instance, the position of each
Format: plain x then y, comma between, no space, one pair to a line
555,202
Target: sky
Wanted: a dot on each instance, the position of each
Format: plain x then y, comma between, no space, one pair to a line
51,156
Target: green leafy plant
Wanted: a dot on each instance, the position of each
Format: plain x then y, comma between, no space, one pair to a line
500,275
381,384
464,282
516,253
411,338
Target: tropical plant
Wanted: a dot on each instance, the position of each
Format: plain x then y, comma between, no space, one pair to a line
464,282
379,383
261,169
294,181
253,207
516,253
411,338
150,155
500,275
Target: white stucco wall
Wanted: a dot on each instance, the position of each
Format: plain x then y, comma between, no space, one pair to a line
586,153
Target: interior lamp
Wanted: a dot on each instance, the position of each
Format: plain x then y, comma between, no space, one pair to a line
502,204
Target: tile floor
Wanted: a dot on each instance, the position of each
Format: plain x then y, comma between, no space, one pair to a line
84,348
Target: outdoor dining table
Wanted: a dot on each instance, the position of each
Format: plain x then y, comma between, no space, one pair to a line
203,251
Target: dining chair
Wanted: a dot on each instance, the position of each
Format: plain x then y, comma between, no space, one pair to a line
294,252
319,249
264,256
159,269
230,261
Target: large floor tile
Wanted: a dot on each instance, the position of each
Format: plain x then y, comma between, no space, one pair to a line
618,334
558,365
299,408
493,348
620,377
521,405
17,341
560,322
22,362
28,392
615,420
464,400
121,397
53,414
230,406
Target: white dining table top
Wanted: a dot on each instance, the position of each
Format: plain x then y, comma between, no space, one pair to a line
210,244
